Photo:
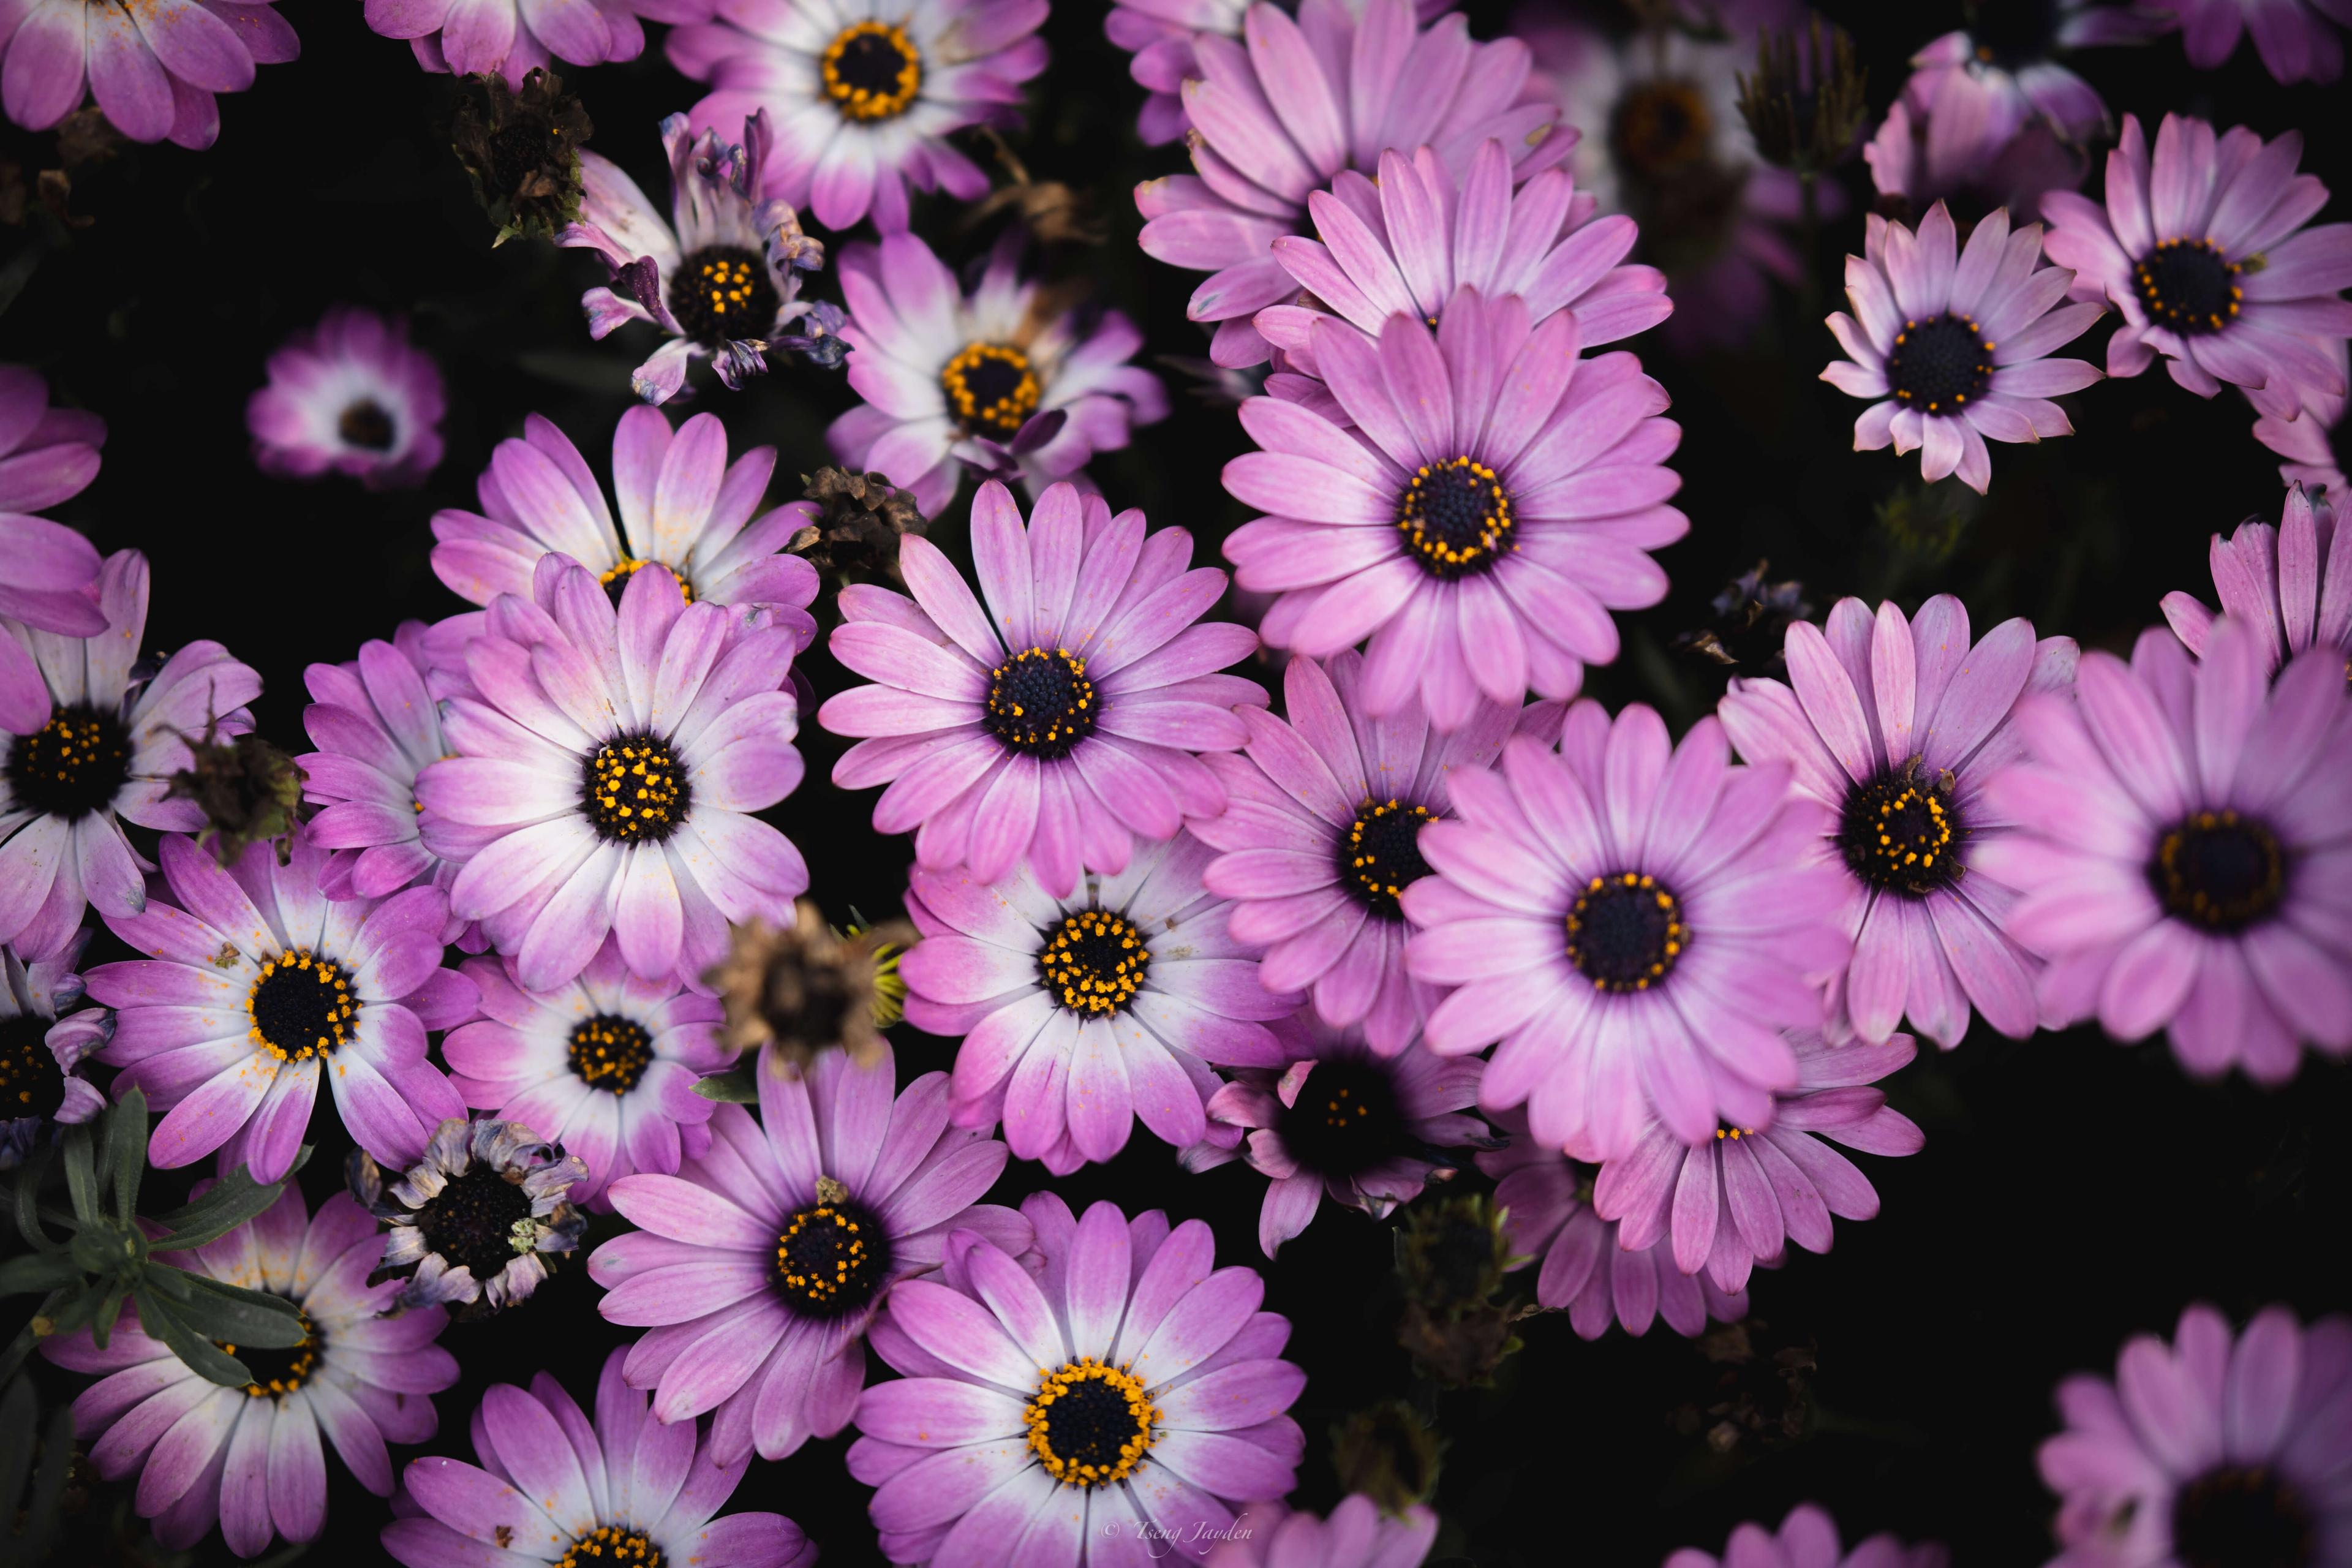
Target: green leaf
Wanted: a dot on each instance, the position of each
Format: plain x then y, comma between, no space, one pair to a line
16,1412
27,1206
239,1316
81,1174
736,1088
109,1309
233,1200
22,1345
34,1273
126,1153
201,1356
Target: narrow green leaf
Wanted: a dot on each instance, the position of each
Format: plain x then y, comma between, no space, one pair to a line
22,1345
736,1088
239,1316
201,1356
126,1153
108,1311
26,1204
233,1200
81,1173
34,1272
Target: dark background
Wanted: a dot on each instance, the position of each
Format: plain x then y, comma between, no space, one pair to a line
2072,1193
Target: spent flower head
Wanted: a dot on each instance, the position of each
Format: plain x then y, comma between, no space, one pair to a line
520,148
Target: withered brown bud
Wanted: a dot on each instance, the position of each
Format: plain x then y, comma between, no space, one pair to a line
1808,97
247,790
1049,209
1759,1388
1453,1256
809,988
1389,1454
855,538
522,150
1751,620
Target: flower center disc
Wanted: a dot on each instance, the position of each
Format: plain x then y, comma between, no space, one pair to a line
1089,1424
1380,855
872,71
2219,870
480,1221
2190,286
1456,517
1941,362
2241,1518
1662,126
1346,1119
634,791
611,1053
1094,961
831,1259
281,1371
302,1006
31,1084
617,577
611,1546
366,426
1901,831
1625,932
722,293
73,765
991,389
1041,703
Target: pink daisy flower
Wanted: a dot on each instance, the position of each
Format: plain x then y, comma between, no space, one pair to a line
2307,440
1953,345
2294,37
1279,113
1057,723
2208,1449
1497,497
1893,725
2009,54
1547,1200
474,37
350,396
2203,249
2183,855
1733,1201
42,1091
154,66
1360,1533
47,455
1950,139
1634,920
1323,815
1808,1537
2291,584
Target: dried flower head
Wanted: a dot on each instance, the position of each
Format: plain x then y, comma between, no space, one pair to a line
809,988
1759,1387
855,537
247,790
1453,1256
522,150
1751,620
1807,100
1388,1453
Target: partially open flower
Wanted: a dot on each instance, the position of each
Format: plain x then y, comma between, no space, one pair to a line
522,150
478,1220
1808,97
810,987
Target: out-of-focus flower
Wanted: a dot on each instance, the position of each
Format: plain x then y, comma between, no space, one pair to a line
1360,1533
1808,97
1956,147
2008,54
154,66
2293,36
1389,1453
863,103
2291,584
1808,1537
514,38
1010,381
807,988
1752,617
44,1041
350,396
520,148
47,456
480,1220
720,276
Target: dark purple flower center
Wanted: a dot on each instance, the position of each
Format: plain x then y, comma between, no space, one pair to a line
1902,832
634,790
31,1082
480,1221
1090,1425
833,1257
73,765
1345,1120
280,1371
991,389
872,70
2190,286
1662,127
2219,870
1042,703
2233,1518
1094,962
366,426
611,1546
1456,517
1938,364
2013,33
611,1053
1626,932
720,293
520,150
1380,855
301,1007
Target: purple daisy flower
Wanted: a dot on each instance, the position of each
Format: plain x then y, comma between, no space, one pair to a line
1084,1011
1737,1199
612,759
250,1458
1323,812
478,1220
2009,55
683,506
152,66
474,37
2203,249
1501,498
1360,1533
1548,1215
1953,344
2305,440
100,749
1634,920
2291,35
1402,244
1950,139
759,1268
47,455
1127,1392
1808,1537
605,1066
2208,1449
41,1051
1894,726
551,1487
996,381
1279,113
2291,584
863,104
258,986
1367,1130
2182,854
352,396
1058,721
724,284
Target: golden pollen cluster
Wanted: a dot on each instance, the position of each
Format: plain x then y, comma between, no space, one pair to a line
1342,1108
2190,286
1042,702
1089,1424
726,283
1380,855
300,1006
636,791
71,766
1939,363
615,577
1626,932
1095,962
823,1257
991,389
611,1053
1733,1133
872,70
611,1544
1456,517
